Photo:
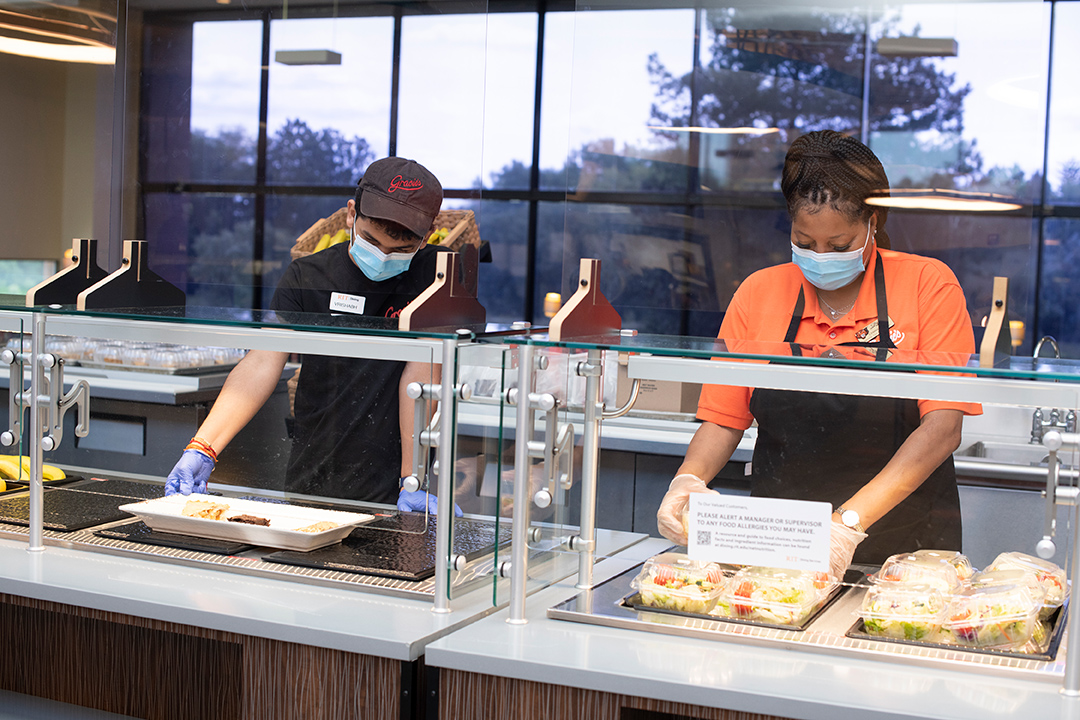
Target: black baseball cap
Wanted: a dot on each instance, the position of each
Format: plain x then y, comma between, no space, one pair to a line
401,191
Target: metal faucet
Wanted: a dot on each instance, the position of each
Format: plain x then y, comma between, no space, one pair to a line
1038,346
1039,424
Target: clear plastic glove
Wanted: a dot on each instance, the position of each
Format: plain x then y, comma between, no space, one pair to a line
842,543
419,500
670,517
190,473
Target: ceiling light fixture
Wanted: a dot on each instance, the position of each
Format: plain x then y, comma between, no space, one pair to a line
917,47
84,32
717,131
946,200
307,57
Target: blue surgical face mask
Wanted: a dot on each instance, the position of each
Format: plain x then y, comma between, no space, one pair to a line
830,271
376,264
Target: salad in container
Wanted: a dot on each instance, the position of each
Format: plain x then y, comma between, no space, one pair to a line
907,568
672,581
1002,617
903,611
957,560
773,595
1049,576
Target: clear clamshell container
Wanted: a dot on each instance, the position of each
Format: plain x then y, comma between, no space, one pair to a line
1001,617
903,611
1050,577
672,581
957,560
906,568
774,596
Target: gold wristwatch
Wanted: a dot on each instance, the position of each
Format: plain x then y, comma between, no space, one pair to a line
850,519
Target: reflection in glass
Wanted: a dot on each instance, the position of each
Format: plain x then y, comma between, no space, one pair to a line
203,243
1063,161
325,123
1059,291
450,120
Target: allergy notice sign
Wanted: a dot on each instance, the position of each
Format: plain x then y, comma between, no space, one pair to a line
771,532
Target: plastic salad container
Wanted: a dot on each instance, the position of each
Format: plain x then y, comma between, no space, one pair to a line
1050,577
773,595
906,569
672,581
957,560
903,611
1001,617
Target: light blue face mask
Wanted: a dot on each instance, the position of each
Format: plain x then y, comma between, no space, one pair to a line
830,271
374,263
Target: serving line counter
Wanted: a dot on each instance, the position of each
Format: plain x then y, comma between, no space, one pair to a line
496,669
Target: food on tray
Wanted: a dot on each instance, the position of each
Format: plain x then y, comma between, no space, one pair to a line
204,509
907,568
904,611
1050,577
1002,617
958,561
321,526
773,595
249,520
672,581
17,467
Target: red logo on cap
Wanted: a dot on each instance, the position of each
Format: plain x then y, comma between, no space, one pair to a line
400,183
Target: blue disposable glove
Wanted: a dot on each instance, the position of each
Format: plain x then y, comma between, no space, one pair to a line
189,474
419,500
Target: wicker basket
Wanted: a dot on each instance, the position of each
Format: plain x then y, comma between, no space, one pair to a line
327,226
462,227
460,223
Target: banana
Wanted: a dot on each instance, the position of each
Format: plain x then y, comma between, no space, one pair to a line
10,470
324,242
3,486
51,472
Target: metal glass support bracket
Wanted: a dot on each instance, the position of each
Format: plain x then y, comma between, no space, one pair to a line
1065,495
46,428
519,556
585,542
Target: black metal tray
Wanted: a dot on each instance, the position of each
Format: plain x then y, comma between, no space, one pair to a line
18,486
79,505
397,546
1056,621
139,532
633,601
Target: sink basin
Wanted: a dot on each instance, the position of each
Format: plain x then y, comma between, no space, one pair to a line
1011,453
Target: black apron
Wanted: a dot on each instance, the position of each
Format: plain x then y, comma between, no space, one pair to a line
823,446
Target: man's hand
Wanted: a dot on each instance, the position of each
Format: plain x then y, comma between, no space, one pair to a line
190,474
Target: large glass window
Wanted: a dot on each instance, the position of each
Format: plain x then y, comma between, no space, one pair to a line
662,132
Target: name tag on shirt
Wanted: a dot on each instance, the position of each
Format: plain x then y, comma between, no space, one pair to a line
347,303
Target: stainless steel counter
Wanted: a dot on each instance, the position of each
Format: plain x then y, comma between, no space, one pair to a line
781,679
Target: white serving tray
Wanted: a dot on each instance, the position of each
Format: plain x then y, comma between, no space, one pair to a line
163,515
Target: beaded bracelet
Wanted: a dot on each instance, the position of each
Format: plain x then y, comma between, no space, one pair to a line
197,443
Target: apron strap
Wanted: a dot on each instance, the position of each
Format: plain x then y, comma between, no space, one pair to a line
793,326
884,343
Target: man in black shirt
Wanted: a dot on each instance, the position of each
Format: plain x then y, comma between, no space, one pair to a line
353,421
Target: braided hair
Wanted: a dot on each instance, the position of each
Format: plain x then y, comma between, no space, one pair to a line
827,168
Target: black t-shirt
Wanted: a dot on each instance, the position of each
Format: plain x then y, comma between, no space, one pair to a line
347,441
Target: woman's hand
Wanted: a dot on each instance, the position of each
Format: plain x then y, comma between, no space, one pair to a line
842,543
676,503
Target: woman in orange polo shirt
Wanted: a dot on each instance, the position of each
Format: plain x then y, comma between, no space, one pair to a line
885,465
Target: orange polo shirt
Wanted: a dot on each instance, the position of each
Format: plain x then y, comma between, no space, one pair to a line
926,307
